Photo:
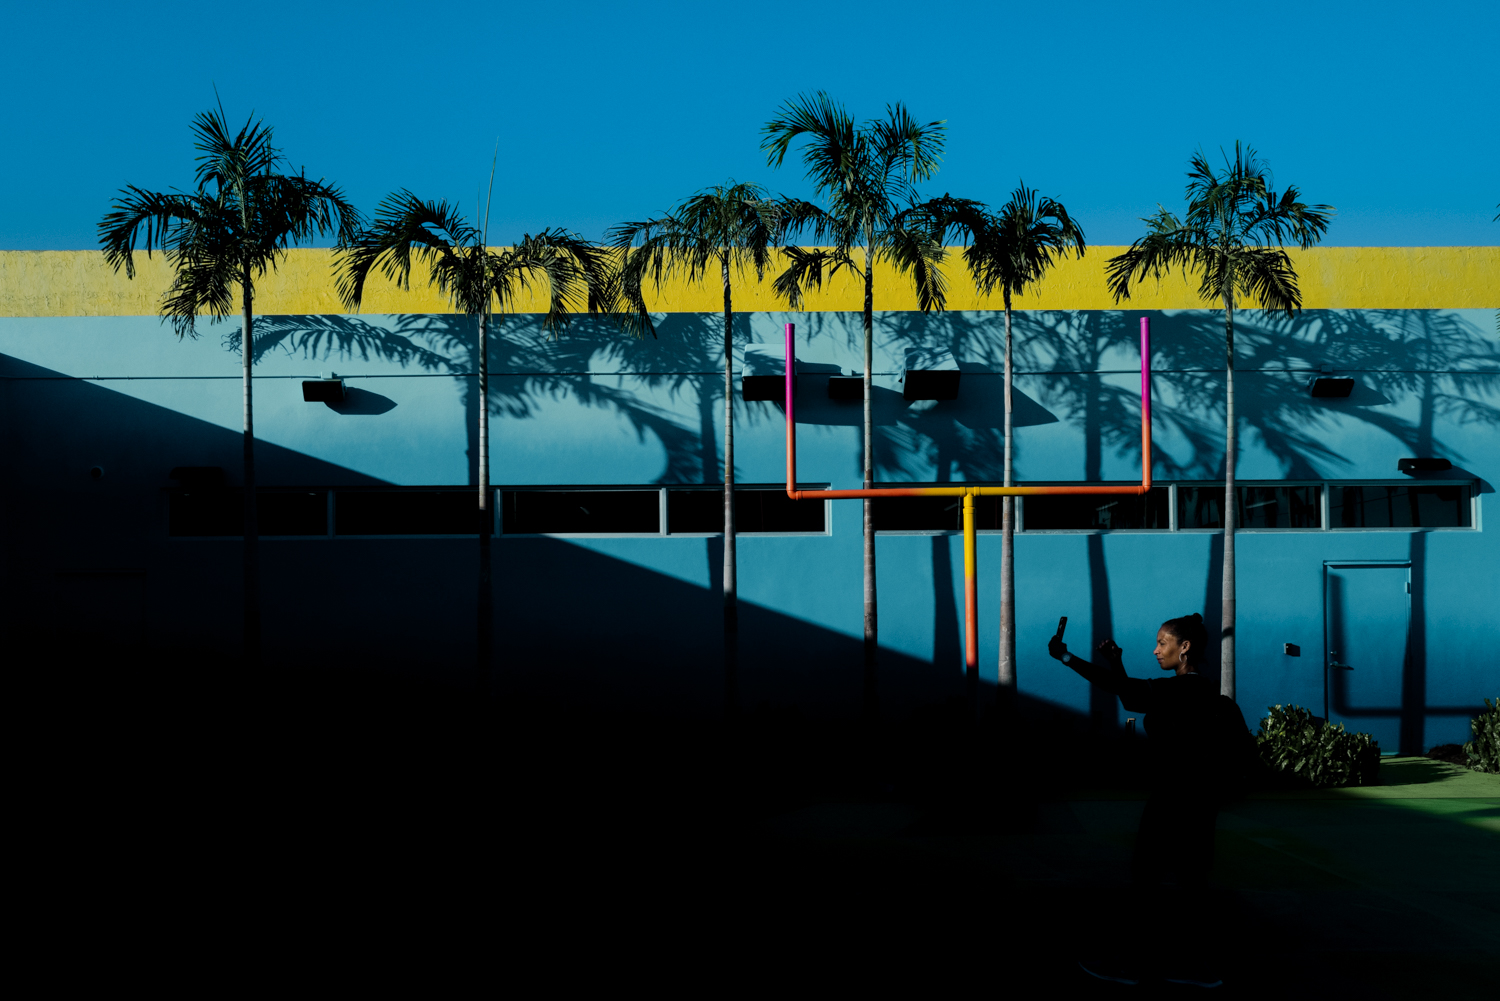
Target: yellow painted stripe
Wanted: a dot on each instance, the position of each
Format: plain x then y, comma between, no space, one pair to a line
79,283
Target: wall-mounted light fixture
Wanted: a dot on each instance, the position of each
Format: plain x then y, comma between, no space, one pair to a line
1337,387
1413,466
763,376
846,387
930,375
328,389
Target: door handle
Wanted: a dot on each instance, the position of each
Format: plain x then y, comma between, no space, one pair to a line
1335,666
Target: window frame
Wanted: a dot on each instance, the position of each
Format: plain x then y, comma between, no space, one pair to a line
1174,528
738,487
1471,486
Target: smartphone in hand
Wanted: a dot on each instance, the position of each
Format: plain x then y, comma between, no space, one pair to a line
1062,623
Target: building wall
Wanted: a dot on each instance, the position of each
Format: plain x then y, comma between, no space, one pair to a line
618,620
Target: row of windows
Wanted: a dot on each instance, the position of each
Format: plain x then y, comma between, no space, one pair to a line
1364,505
454,511
205,513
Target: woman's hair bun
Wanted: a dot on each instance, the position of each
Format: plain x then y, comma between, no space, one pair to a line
1190,629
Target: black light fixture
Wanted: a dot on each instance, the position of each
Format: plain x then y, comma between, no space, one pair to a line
1413,466
763,376
846,387
328,389
1337,387
930,375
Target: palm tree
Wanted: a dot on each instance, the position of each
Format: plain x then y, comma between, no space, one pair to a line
868,175
1012,250
228,232
732,226
1234,236
477,278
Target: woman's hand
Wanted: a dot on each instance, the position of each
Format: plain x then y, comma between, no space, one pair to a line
1057,648
1110,651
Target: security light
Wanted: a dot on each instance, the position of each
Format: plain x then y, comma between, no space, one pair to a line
846,387
328,389
763,376
1329,386
1411,466
930,375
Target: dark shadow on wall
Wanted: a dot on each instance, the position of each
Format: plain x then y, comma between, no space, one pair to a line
71,541
947,643
362,403
637,640
575,627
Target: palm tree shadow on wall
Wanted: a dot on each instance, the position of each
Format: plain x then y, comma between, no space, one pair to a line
1437,362
1439,359
532,367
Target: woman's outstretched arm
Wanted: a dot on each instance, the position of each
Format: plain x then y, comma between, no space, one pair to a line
1109,674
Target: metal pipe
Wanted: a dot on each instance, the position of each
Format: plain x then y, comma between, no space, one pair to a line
968,493
971,595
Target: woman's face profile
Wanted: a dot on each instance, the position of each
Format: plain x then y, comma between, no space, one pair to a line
1171,652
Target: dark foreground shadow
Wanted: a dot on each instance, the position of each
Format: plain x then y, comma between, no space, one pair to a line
380,814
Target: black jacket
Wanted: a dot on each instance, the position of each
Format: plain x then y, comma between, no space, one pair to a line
1199,746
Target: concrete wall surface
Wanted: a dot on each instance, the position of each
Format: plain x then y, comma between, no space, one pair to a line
635,619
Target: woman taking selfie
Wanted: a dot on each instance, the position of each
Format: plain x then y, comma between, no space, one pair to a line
1199,753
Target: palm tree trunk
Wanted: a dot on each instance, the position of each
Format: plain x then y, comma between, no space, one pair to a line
872,623
731,596
484,607
252,523
1226,654
1007,677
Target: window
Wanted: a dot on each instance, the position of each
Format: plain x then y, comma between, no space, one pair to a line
755,510
615,512
934,514
1398,506
406,512
1258,507
1099,511
208,512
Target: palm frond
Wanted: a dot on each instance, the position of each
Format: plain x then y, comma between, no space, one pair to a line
834,140
1233,235
1267,276
1167,244
907,149
575,270
148,218
735,224
229,161
806,270
1016,246
913,245
405,226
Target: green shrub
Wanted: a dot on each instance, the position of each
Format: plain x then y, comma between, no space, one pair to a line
1484,749
1303,750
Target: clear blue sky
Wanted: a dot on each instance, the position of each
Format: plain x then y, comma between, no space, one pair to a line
607,112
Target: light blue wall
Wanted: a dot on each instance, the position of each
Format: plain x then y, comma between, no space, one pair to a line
592,407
